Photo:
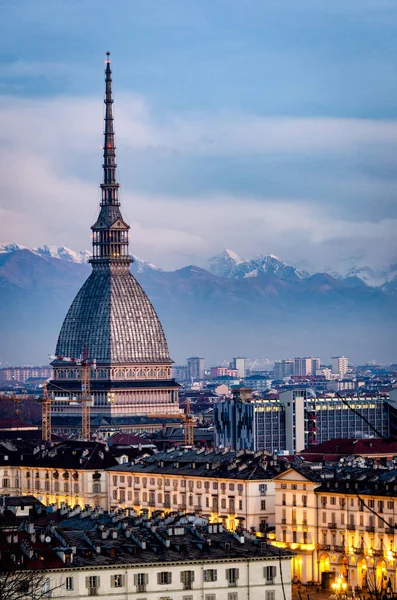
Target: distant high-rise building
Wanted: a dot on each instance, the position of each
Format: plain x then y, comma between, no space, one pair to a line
283,368
339,365
306,366
21,374
195,368
179,372
239,363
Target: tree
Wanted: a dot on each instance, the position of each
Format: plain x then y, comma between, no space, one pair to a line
24,584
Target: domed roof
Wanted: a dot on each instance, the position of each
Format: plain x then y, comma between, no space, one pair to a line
114,319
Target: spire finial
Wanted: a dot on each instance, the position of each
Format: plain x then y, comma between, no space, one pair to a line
110,232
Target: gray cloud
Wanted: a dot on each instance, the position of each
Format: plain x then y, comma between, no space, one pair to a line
317,190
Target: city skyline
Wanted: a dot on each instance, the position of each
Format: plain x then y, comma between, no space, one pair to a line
284,131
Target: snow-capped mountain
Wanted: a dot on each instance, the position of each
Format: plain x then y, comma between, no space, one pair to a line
372,276
225,263
63,253
60,252
231,265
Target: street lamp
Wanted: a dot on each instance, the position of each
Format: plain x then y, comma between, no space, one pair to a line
339,588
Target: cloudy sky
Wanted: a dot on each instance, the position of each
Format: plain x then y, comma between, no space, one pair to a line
265,127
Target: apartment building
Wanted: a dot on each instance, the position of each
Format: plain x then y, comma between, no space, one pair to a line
297,420
70,473
340,521
306,365
339,365
283,368
123,555
235,488
195,368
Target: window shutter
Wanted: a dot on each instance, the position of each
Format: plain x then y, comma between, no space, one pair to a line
169,578
183,576
159,578
112,581
237,573
146,578
135,579
192,576
274,571
123,580
228,574
98,581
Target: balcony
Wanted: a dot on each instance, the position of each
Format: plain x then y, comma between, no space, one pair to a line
351,527
370,529
188,585
304,522
283,521
339,548
359,550
378,552
324,547
389,530
141,587
332,525
93,591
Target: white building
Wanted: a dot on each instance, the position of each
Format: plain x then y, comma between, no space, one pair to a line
306,366
124,556
339,365
239,363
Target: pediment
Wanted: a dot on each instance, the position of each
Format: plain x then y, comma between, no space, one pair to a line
291,475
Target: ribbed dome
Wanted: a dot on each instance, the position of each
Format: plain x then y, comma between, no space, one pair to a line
113,317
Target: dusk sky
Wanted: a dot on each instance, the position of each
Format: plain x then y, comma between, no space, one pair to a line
261,126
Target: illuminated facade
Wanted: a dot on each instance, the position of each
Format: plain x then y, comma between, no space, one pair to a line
340,521
232,488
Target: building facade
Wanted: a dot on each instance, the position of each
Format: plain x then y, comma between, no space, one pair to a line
339,365
112,321
125,556
340,521
239,363
283,369
195,368
296,421
306,365
234,488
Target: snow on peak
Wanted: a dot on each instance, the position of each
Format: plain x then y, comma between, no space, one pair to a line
232,266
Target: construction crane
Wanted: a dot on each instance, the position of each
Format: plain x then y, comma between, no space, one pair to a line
188,428
85,374
188,423
45,415
16,399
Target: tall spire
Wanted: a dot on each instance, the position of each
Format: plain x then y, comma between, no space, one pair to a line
109,186
110,232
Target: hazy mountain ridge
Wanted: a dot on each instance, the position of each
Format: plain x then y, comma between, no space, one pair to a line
271,314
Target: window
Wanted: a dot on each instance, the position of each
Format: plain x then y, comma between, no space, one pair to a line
232,576
92,583
97,488
210,575
46,587
69,583
270,595
114,479
263,504
140,581
122,479
232,596
240,505
117,580
332,500
187,579
164,577
390,504
262,489
223,503
270,573
5,483
210,597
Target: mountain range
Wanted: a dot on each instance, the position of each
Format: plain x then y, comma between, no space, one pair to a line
254,307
